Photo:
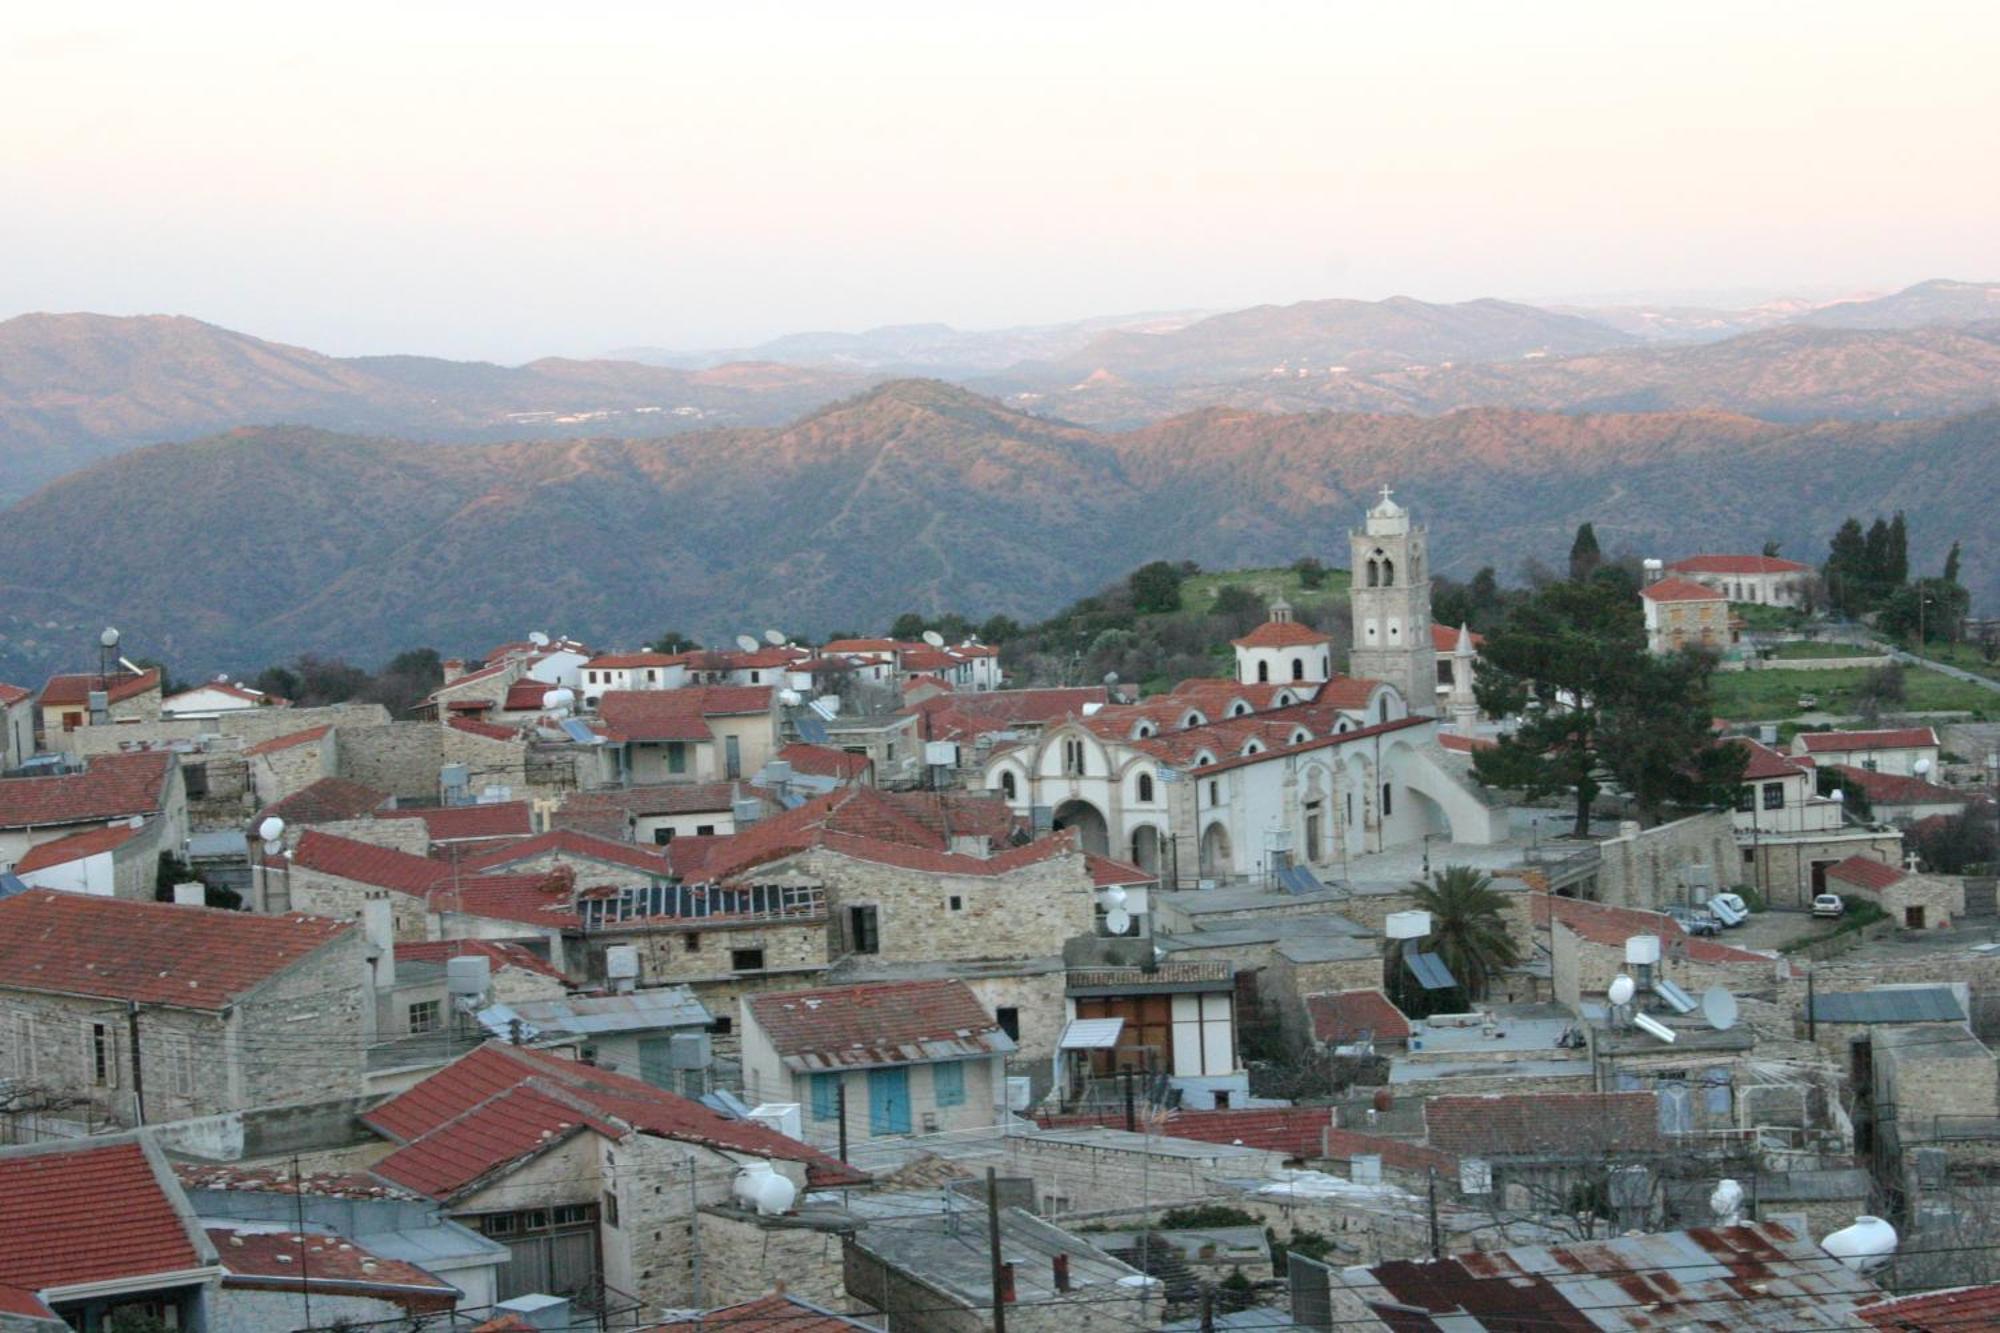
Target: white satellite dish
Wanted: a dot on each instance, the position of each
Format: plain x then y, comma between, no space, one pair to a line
789,698
1621,989
539,639
1114,897
1117,921
1718,1006
746,643
272,829
273,847
933,638
776,638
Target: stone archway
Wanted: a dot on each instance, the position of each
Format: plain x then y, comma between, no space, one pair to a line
1216,856
1092,833
1146,848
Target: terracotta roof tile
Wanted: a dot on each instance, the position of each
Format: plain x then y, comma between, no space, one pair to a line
88,1213
1534,1124
75,847
155,953
327,801
463,823
292,1259
291,739
1105,872
520,1121
545,900
568,843
1679,590
1612,926
1282,634
1445,639
883,1023
1763,761
636,661
1340,1017
1895,789
498,952
110,787
74,688
366,863
1906,738
1738,564
12,694
824,761
1864,873
492,731
1962,1310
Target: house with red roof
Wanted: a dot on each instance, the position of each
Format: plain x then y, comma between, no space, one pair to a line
1899,799
130,695
652,814
213,998
1680,613
1587,948
1905,751
98,1229
292,761
214,698
120,860
1913,901
1761,580
1357,1022
706,733
580,1171
1788,835
110,789
900,1057
17,726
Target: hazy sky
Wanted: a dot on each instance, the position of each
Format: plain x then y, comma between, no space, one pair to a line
506,180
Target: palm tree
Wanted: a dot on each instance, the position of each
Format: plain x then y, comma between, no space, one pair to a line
1467,929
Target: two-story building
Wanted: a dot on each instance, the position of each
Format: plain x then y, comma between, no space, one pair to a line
719,733
1680,613
1788,835
74,700
1904,751
111,789
1761,580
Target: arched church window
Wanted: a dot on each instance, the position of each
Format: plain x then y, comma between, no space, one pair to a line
1007,787
1388,573
1298,668
1145,786
1263,672
1374,574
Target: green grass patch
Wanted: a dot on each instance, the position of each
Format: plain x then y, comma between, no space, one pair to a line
1198,592
1814,648
1751,696
1964,656
1205,1216
1757,616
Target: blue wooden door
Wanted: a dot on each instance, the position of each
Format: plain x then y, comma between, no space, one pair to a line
888,1101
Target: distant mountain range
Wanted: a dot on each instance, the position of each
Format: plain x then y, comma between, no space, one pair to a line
915,494
74,388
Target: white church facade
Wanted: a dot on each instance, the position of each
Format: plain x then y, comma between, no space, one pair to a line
1286,764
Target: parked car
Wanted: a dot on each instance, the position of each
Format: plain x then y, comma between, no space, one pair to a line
1828,904
1695,921
1808,701
1729,909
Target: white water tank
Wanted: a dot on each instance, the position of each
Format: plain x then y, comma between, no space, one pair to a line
758,1186
784,1117
1865,1245
1642,950
621,966
1407,925
467,977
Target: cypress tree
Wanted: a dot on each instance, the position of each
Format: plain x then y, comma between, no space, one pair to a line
1584,555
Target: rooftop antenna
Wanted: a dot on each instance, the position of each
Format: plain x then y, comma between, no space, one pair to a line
933,638
776,638
746,643
1718,1006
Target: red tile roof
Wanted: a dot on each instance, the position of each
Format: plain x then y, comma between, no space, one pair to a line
327,801
255,1256
525,696
633,661
1906,738
1961,1310
1534,1124
286,742
1763,761
88,1213
824,761
73,689
1282,634
1680,590
1340,1017
880,851
434,1106
111,787
366,863
1738,564
1445,639
75,847
1895,789
653,715
567,843
154,953
545,899
861,646
1451,740
12,694
880,1023
1612,926
498,952
465,823
1105,872
775,1313
492,731
1864,873
490,1138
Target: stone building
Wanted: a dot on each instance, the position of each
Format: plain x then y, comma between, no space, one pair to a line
1389,557
289,763
1761,580
1680,614
1587,949
17,726
1905,751
1912,901
130,695
153,1011
112,789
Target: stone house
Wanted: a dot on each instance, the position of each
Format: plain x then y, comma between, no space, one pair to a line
155,1011
718,733
1912,901
913,1057
131,695
587,1176
1761,580
285,764
1788,836
1681,614
1357,1022
1929,1075
652,815
112,789
1898,750
1587,948
1898,799
99,1231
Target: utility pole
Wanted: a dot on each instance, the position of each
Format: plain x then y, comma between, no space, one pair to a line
138,1078
993,1249
1131,1115
1812,1024
694,1234
1207,1309
1437,1249
840,1109
305,1248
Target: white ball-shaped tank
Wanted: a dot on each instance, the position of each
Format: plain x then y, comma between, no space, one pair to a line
1620,990
760,1187
1865,1245
1725,1202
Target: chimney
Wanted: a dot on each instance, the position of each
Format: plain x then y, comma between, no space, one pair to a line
378,923
454,667
1061,1265
1007,1282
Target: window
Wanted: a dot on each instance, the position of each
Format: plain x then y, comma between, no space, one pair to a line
610,1209
746,960
732,757
1009,789
1774,796
1145,786
662,836
24,1046
722,1026
756,678
948,1079
71,721
1749,855
956,903
690,942
1388,802
1913,918
826,1096
1444,671
1746,797
1263,673
1298,668
1214,792
103,1056
863,936
704,830
677,757
425,1017
1009,1019
1072,758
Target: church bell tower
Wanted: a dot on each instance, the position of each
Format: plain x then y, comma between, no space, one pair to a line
1391,598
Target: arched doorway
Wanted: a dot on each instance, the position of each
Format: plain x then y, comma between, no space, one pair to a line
1215,853
1091,832
1146,848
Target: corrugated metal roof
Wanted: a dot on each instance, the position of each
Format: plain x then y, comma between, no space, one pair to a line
1899,1004
1091,1034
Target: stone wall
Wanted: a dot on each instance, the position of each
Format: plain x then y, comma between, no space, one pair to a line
1025,913
744,1256
402,835
401,758
246,728
301,1036
276,774
1646,867
1925,902
1584,967
1782,869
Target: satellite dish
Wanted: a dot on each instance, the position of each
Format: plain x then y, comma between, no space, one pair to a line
933,638
539,639
272,829
1114,897
776,638
273,847
746,643
1923,766
1621,989
1110,679
1718,1006
789,698
1118,921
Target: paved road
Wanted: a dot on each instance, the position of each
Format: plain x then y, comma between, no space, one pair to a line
1959,673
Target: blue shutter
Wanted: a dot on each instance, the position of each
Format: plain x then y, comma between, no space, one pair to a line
948,1080
826,1096
889,1101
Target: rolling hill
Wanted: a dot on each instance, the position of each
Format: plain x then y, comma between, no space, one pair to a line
1939,301
915,494
74,388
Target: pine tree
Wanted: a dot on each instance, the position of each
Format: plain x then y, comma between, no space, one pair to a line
1951,565
1897,572
1584,555
1876,571
1846,568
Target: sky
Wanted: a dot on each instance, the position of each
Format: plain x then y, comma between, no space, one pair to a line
503,181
